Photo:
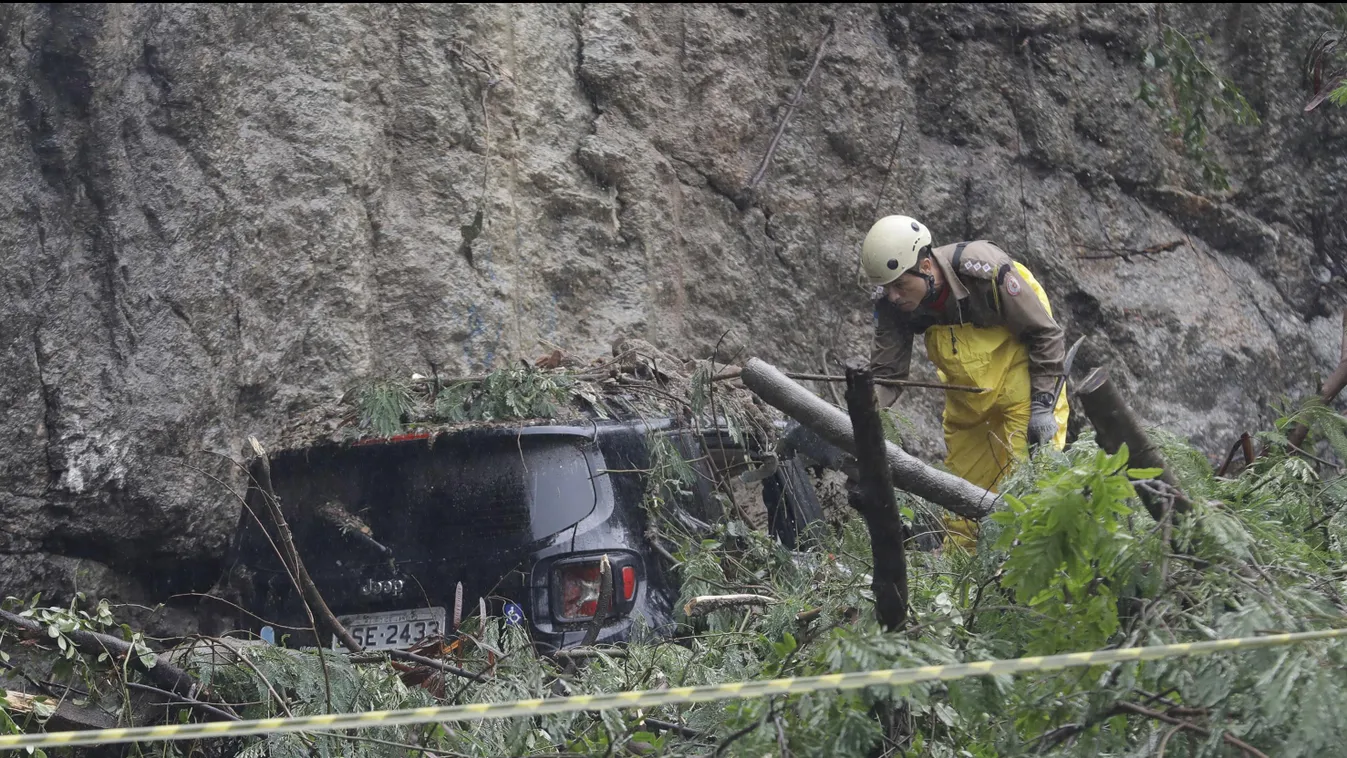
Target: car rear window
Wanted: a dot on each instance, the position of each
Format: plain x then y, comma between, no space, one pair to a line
463,499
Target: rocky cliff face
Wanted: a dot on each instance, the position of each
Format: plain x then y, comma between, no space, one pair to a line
212,217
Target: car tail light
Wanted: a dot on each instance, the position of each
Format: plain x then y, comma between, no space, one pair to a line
628,583
580,590
576,586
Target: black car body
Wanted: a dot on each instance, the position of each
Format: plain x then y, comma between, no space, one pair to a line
514,517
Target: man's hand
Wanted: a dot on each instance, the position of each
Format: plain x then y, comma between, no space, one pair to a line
1042,422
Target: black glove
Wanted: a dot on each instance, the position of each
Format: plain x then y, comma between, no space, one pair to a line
1042,422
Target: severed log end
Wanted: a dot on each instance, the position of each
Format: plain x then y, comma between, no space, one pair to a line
1093,381
1115,425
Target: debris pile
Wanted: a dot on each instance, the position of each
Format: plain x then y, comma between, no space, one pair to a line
637,380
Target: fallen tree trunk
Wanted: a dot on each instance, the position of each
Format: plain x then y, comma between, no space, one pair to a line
876,504
909,474
1115,424
736,373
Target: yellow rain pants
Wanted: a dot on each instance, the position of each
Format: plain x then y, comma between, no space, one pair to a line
983,432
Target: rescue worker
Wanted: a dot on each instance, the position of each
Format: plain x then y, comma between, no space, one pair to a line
987,323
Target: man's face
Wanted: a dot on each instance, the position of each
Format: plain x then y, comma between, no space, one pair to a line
909,289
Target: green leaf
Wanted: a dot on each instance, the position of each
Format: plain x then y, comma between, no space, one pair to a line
1145,473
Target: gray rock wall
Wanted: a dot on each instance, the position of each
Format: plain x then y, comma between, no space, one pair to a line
213,217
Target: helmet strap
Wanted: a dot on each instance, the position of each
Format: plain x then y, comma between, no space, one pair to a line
932,292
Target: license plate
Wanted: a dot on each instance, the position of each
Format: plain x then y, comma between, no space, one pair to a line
394,629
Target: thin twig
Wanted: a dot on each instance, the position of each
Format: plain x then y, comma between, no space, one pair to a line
246,661
757,724
184,700
1107,253
1159,716
308,591
790,109
888,171
1160,750
403,655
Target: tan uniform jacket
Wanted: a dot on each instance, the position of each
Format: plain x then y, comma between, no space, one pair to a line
985,291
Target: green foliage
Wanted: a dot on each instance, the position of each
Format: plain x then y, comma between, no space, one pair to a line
1068,552
383,405
506,394
387,407
1196,95
1338,96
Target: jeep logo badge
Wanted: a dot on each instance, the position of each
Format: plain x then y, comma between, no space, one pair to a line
385,587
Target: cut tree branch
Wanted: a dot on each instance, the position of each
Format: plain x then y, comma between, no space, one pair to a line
876,504
1116,425
403,655
175,698
909,474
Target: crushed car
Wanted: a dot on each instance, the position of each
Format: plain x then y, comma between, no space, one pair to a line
406,535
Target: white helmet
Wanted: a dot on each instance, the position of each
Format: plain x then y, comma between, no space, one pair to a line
891,247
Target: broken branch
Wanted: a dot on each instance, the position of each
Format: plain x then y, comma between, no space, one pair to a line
790,110
909,474
704,604
205,708
262,474
1203,731
403,655
163,674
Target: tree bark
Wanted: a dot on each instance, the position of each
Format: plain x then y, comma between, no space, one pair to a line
1115,424
956,495
602,607
736,373
876,503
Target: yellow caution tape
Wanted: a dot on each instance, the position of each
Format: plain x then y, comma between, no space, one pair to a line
649,698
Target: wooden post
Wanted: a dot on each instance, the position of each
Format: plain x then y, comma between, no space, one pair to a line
876,503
